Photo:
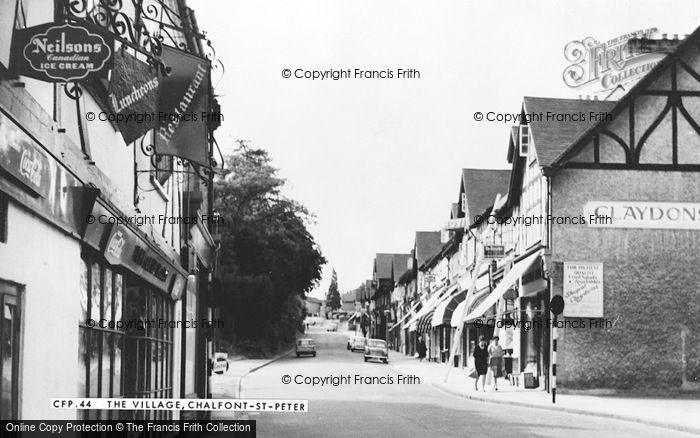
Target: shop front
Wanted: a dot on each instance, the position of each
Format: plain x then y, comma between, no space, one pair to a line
129,323
516,314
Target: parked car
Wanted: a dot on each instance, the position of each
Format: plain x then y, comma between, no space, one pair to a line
358,344
306,346
332,327
376,349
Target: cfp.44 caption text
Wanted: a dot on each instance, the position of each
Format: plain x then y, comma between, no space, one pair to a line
349,379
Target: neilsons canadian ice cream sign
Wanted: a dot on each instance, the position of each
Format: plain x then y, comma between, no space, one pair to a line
602,66
61,53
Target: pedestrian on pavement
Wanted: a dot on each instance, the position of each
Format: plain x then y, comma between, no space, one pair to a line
481,363
420,348
496,361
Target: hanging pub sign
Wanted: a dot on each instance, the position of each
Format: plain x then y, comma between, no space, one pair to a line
184,102
134,90
61,52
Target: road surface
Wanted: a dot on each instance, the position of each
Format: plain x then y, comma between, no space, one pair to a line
373,400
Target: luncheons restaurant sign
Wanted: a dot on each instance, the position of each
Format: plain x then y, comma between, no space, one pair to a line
61,53
66,52
634,214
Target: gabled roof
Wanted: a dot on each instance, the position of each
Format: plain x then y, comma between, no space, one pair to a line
400,265
551,137
481,187
382,265
454,210
687,44
427,245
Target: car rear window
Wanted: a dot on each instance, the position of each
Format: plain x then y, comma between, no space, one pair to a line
376,343
305,342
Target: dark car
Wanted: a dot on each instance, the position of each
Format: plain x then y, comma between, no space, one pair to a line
376,349
306,346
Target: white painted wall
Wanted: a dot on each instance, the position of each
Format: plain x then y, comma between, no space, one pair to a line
48,264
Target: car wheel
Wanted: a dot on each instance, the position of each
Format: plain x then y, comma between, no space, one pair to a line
365,359
386,360
298,354
314,354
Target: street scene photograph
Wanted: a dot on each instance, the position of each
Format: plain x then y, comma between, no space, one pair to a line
321,218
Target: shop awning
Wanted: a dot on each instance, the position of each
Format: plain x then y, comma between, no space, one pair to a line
457,314
431,304
424,322
511,277
408,314
444,310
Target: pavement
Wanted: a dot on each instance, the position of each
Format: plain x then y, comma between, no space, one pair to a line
678,414
426,406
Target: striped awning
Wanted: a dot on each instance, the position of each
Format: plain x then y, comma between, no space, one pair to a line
476,311
443,312
424,323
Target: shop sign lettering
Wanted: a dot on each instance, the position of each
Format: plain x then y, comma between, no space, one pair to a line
58,53
636,214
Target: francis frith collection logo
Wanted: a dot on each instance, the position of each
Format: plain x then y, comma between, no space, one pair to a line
62,52
602,66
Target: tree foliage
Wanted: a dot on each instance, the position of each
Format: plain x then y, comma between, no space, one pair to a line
333,295
268,260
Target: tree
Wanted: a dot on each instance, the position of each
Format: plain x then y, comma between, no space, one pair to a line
268,260
333,296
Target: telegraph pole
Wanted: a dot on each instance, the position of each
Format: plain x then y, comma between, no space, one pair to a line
556,306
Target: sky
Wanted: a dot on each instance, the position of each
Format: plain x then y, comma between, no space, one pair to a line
378,159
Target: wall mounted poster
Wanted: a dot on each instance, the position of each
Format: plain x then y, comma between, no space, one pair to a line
583,289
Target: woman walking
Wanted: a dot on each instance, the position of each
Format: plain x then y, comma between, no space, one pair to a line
481,361
496,361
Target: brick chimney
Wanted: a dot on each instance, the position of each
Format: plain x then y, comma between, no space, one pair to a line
638,46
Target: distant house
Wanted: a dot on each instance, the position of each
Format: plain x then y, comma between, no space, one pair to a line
313,306
347,302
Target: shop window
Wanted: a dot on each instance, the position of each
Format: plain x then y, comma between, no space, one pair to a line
100,344
10,326
148,348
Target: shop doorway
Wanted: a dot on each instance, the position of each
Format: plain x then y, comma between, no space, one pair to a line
10,349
